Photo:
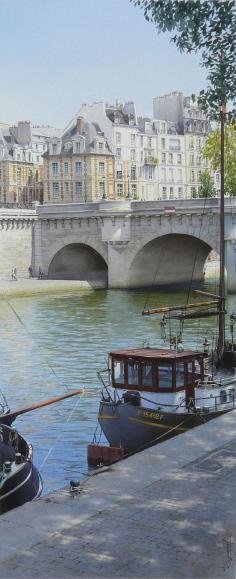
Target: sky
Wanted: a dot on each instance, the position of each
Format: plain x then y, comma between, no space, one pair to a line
57,54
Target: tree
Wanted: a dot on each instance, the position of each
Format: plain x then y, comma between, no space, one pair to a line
212,152
207,26
206,188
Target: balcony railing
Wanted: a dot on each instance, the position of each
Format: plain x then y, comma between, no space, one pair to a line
150,161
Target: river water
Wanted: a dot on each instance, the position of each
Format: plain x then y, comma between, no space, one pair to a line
56,343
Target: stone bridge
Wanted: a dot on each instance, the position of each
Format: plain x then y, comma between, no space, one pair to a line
133,244
124,244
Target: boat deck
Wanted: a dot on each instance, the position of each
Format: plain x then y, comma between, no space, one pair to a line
169,511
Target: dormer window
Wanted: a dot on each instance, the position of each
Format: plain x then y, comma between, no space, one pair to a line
68,146
54,149
100,147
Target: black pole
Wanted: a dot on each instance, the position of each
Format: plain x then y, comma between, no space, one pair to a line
221,340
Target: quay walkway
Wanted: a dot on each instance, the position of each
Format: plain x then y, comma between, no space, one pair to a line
167,512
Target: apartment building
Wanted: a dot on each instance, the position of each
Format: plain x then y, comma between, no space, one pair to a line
79,166
191,122
21,163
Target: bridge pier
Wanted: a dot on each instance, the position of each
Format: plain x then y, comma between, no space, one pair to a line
230,254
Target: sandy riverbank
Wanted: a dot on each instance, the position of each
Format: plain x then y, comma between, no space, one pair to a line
28,287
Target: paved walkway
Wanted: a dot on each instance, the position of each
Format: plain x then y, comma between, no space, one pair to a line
168,512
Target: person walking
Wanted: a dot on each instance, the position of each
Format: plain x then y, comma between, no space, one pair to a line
30,270
15,274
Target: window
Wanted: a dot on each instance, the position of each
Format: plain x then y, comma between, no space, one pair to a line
118,153
163,157
101,169
54,149
171,175
18,175
55,190
118,138
54,168
179,174
191,146
119,374
180,192
191,159
149,142
133,373
164,192
132,154
100,147
78,168
102,188
179,375
78,188
141,141
66,188
170,158
150,172
174,144
78,147
66,168
132,139
171,192
119,174
147,375
133,173
163,143
192,176
165,376
119,189
179,159
133,189
199,175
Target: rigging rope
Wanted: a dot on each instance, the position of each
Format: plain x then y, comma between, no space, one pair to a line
59,436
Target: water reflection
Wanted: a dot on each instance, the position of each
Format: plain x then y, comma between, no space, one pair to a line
70,336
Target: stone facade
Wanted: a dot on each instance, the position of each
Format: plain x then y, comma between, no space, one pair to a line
16,241
78,167
21,164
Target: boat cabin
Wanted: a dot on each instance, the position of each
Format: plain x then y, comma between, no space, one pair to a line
156,370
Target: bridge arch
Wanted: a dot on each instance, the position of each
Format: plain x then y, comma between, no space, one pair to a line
78,261
170,258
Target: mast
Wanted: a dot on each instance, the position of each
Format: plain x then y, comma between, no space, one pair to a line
221,339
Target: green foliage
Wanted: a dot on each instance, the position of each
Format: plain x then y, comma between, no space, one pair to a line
207,26
206,188
212,152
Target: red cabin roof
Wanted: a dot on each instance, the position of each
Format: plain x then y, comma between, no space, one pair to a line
157,353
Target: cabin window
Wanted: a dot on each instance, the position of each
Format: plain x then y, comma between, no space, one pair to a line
119,374
179,375
223,397
165,376
133,378
189,366
147,375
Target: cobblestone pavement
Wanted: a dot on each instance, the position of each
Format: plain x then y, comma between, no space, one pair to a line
167,513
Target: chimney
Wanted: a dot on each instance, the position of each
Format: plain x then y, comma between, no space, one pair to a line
24,132
80,125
